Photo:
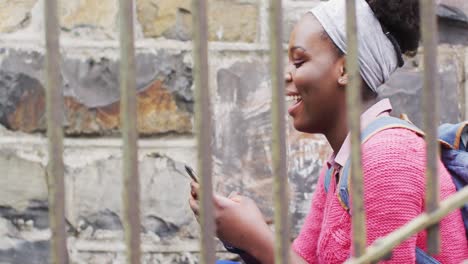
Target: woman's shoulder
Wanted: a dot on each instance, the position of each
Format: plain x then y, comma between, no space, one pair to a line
395,141
397,153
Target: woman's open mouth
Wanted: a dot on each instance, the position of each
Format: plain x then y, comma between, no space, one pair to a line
295,100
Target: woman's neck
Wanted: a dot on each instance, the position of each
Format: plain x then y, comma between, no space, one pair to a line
336,134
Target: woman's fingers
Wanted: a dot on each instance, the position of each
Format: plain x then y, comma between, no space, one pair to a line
235,197
194,195
194,187
223,202
220,202
194,206
232,195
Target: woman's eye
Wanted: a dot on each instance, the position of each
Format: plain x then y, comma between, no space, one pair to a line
298,64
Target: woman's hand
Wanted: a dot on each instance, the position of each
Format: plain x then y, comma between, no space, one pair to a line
239,222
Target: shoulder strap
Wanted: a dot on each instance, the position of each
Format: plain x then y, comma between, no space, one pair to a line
328,176
387,122
373,128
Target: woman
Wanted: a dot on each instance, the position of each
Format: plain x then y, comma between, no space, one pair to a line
393,159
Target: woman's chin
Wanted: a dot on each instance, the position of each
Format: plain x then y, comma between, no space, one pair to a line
304,127
298,125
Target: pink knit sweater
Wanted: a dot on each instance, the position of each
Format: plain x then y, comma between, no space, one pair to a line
394,183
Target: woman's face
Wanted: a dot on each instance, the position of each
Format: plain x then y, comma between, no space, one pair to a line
312,74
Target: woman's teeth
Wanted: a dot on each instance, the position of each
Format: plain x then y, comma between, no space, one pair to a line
293,98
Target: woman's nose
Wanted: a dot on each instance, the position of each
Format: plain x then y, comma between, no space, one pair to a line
288,75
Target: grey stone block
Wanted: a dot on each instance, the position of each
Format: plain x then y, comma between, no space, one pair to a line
92,93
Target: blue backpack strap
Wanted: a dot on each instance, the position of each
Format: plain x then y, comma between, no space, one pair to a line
424,258
387,122
328,177
373,128
343,186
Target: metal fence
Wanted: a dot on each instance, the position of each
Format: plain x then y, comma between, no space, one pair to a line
130,195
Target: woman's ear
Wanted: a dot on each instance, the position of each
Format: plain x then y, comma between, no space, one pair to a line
343,75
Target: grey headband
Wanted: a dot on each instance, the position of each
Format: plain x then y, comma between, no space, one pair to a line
377,55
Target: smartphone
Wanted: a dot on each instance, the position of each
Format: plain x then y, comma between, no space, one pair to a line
191,173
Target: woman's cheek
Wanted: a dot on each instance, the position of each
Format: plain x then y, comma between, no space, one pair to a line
315,77
308,76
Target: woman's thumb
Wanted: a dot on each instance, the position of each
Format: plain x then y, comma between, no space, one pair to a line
222,201
234,196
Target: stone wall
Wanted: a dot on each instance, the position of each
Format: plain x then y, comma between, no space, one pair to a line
239,78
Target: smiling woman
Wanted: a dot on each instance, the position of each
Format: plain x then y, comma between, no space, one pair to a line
312,74
393,159
394,172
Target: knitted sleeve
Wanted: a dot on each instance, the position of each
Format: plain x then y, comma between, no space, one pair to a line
306,242
393,167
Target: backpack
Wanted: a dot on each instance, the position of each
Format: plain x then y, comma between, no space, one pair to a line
454,155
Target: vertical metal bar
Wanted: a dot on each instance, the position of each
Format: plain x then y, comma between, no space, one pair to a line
128,115
430,110
465,97
203,129
279,134
54,113
353,94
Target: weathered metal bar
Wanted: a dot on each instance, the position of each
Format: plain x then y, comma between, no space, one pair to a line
382,247
54,114
128,116
431,116
203,129
353,94
279,133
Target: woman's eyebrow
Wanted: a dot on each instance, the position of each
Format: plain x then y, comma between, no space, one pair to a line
293,48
